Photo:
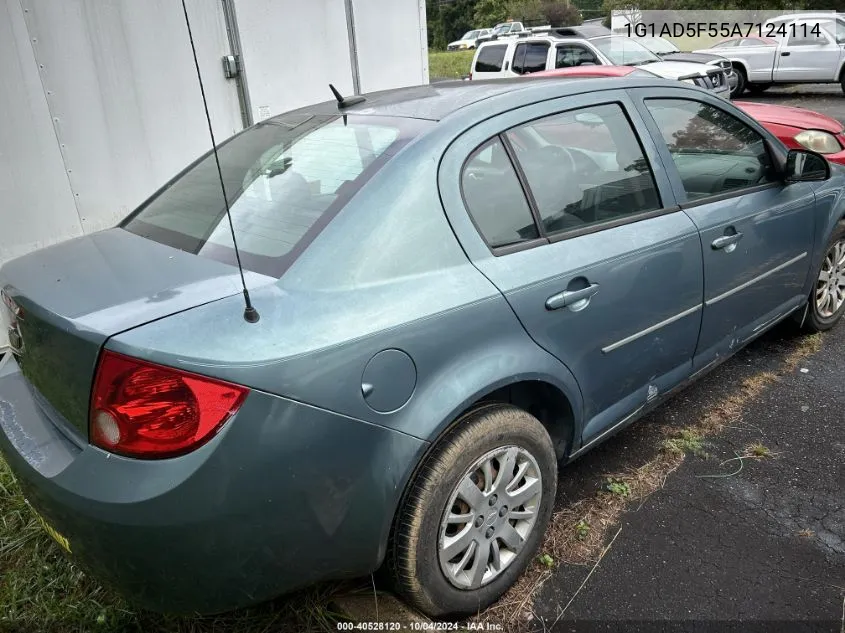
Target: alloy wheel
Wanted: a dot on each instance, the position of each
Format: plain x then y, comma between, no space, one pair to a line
830,286
489,517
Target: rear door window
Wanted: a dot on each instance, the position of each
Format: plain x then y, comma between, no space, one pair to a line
284,179
584,167
530,57
490,59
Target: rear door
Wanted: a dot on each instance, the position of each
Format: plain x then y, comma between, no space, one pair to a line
563,206
529,57
756,231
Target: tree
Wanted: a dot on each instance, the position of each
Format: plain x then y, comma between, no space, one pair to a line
490,12
447,21
561,14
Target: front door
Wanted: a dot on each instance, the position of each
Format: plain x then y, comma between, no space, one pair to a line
810,54
585,241
756,231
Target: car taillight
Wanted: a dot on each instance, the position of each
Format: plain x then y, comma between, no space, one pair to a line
140,409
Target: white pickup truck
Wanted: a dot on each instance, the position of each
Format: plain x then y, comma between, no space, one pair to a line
810,51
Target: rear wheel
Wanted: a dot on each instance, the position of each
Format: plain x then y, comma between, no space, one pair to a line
741,82
475,514
827,300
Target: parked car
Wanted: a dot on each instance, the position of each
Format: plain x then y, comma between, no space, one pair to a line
809,54
459,286
795,127
468,41
525,55
799,127
669,52
504,30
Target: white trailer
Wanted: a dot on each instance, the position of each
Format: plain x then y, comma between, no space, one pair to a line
100,104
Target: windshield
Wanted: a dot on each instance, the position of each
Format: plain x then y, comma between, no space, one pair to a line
502,28
623,51
285,179
658,45
470,35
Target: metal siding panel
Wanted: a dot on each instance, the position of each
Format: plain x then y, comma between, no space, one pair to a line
123,94
386,34
38,206
292,51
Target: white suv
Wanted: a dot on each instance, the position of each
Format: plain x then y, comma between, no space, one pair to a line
524,55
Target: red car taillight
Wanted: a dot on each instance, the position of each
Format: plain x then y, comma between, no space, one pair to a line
140,409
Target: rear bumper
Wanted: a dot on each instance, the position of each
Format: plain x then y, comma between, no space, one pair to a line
284,496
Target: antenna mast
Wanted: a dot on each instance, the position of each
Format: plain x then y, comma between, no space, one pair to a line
250,313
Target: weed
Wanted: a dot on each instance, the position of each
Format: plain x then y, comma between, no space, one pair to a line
685,441
758,450
547,560
582,530
617,487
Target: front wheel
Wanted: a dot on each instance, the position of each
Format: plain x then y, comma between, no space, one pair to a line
741,81
475,514
827,301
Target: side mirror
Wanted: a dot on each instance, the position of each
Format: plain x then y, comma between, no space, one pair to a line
805,166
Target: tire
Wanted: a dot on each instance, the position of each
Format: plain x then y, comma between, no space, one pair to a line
757,89
490,434
822,312
741,82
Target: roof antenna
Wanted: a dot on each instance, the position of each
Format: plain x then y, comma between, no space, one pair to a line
250,313
344,102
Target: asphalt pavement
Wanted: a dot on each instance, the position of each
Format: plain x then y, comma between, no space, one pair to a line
759,550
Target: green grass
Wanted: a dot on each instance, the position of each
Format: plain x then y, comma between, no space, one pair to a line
685,441
42,590
449,65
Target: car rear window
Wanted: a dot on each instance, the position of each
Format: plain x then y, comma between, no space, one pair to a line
490,59
285,178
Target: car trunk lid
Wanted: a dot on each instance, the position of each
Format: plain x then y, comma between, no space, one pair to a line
62,304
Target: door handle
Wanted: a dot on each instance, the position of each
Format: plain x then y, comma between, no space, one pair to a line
569,297
785,54
726,241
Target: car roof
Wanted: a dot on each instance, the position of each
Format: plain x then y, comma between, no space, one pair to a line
438,100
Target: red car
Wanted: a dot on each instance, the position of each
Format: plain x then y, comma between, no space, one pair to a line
795,127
